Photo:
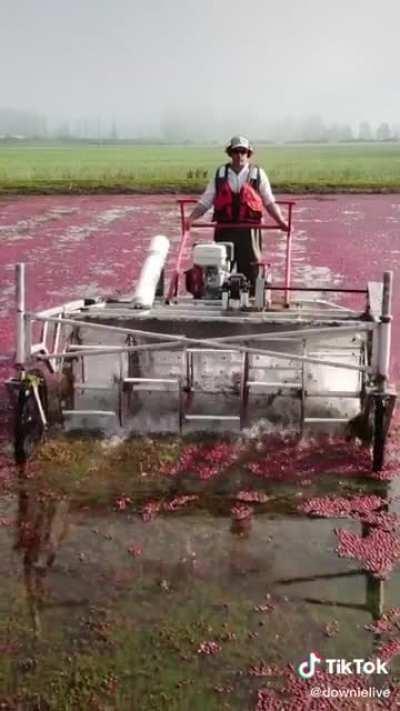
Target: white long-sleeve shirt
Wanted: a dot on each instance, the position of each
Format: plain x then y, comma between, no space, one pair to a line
236,182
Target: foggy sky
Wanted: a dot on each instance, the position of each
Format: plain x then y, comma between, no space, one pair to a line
147,60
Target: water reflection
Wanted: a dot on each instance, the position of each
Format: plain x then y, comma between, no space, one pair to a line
41,526
272,566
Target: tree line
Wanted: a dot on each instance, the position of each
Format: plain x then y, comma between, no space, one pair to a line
17,124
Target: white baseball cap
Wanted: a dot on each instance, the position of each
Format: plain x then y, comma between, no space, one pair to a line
239,142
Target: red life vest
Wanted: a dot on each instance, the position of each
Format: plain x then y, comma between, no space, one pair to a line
244,206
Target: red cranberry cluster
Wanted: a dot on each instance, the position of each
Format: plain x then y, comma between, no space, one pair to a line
285,460
377,552
389,650
252,497
331,629
262,669
209,648
153,508
240,512
206,460
265,607
341,508
384,520
389,622
6,522
122,503
135,551
295,694
150,510
179,502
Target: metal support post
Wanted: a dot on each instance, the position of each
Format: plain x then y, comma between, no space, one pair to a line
383,401
385,327
20,289
288,264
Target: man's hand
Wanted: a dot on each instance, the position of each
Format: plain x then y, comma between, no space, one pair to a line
283,225
197,212
274,210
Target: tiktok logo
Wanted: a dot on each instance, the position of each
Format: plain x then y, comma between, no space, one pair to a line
340,666
307,669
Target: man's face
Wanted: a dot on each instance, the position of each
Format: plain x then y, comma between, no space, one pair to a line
239,157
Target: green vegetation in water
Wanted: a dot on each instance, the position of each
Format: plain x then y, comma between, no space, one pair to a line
111,168
95,472
163,645
111,660
98,474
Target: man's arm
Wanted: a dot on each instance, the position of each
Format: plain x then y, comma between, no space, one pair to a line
203,205
274,210
269,201
197,212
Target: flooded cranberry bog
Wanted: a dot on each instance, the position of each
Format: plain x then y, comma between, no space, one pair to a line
178,573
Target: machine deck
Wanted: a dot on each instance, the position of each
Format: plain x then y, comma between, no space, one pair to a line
193,366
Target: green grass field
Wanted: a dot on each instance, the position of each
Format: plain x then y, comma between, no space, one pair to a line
295,168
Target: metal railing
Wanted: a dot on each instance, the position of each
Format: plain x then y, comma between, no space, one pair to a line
173,288
52,352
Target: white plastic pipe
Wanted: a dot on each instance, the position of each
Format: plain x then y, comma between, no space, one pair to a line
146,286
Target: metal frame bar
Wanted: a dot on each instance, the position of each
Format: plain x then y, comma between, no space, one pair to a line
325,420
39,404
158,381
112,350
69,306
298,334
28,336
87,413
44,333
274,384
303,392
381,331
91,386
102,327
288,259
222,418
384,330
240,316
186,341
332,289
244,389
214,343
334,393
330,304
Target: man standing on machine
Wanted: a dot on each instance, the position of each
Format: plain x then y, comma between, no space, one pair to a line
238,193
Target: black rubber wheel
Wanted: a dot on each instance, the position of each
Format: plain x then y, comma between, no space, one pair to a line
380,434
29,428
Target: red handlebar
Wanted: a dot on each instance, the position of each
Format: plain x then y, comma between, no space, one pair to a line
185,234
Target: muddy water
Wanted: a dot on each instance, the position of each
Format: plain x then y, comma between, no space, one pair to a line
204,605
142,602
